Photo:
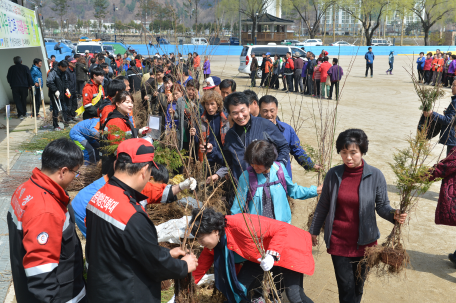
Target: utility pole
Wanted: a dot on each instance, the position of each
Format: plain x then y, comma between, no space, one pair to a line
114,11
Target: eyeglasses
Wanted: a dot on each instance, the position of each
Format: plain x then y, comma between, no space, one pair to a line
76,172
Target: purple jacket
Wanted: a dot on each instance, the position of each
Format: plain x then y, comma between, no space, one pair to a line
335,72
452,67
304,68
206,67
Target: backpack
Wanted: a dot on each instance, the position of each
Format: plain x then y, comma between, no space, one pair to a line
253,181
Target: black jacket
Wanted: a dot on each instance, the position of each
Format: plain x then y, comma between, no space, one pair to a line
373,196
134,77
125,262
19,76
81,72
71,80
260,129
57,81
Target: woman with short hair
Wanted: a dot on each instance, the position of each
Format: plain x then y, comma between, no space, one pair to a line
352,193
227,242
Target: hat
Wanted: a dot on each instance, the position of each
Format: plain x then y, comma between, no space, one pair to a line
128,59
102,53
268,54
71,59
212,82
86,51
139,150
252,53
296,54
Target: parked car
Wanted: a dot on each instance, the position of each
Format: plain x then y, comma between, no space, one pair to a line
289,42
92,47
280,50
234,41
311,42
163,41
108,48
381,42
49,40
341,43
199,41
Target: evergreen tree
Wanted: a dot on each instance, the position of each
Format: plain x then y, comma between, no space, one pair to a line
100,7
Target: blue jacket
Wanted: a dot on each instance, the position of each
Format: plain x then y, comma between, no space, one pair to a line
85,130
260,129
391,58
81,200
296,149
447,134
35,71
282,209
369,56
420,63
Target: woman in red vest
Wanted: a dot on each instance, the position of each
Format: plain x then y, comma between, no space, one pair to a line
227,241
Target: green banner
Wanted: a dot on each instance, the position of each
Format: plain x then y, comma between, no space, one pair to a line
18,26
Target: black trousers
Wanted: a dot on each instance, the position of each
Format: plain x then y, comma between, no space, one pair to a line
317,87
253,78
37,100
55,110
80,85
371,67
72,105
420,74
349,285
427,76
20,95
289,82
275,81
264,79
336,84
309,85
287,279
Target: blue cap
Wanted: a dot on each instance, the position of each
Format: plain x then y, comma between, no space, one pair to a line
217,80
128,59
268,54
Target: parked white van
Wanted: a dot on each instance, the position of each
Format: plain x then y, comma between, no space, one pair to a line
259,50
199,41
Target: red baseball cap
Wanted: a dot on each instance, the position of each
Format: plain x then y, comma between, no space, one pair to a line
139,150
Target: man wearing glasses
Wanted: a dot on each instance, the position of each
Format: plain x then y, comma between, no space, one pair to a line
45,252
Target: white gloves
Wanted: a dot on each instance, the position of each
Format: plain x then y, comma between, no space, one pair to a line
188,183
267,263
144,130
57,94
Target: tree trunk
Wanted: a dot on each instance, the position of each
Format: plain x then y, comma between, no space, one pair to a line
368,36
324,32
254,25
334,24
426,36
402,30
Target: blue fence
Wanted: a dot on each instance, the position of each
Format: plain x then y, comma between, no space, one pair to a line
234,50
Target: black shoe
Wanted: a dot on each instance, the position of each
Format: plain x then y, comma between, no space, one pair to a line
284,89
452,258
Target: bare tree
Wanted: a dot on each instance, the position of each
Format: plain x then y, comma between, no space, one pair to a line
312,13
368,12
431,11
253,7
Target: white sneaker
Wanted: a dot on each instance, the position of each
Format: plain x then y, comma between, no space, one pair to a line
57,129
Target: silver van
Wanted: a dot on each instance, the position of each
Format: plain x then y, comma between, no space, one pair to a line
280,50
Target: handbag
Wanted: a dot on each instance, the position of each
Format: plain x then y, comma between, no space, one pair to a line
433,128
328,81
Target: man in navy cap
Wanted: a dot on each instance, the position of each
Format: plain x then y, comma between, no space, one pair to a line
213,84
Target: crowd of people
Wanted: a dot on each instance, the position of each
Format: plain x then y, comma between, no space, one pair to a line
307,76
240,137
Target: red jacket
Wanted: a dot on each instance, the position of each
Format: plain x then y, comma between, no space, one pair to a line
428,64
445,213
119,62
45,252
89,92
437,64
292,246
324,67
118,127
196,62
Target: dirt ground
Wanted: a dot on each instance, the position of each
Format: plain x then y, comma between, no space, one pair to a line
387,109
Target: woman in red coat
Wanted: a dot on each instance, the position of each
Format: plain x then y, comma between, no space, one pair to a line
227,243
445,213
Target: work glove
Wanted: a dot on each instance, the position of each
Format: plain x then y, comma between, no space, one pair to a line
57,94
144,130
267,263
188,183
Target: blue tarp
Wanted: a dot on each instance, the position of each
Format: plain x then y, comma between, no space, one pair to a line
234,50
58,57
